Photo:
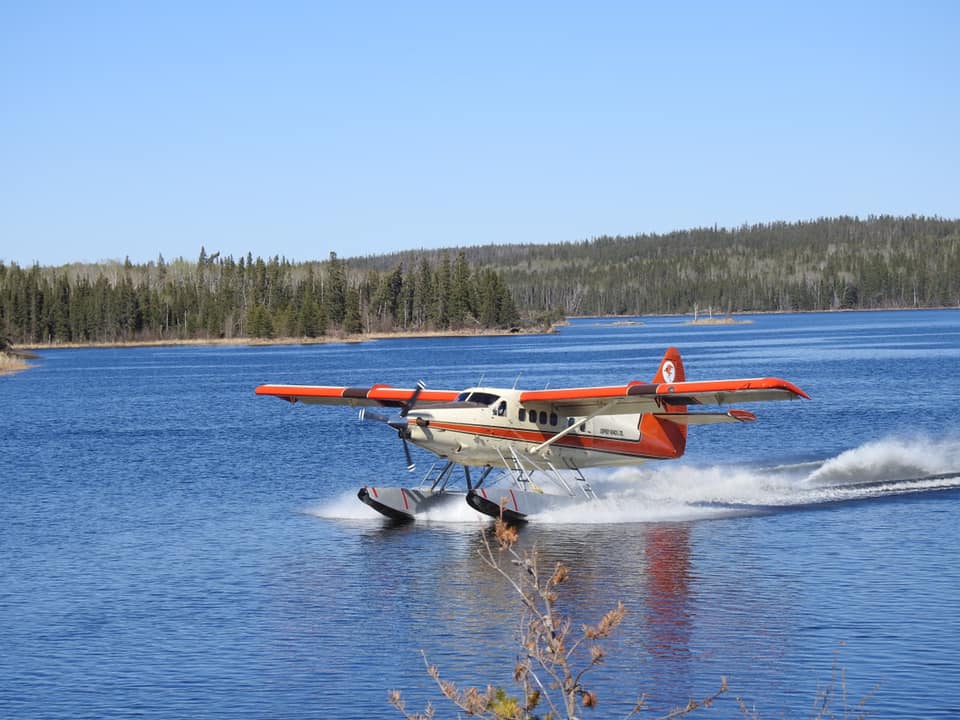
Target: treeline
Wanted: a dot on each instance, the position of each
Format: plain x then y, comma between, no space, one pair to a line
219,297
825,264
835,263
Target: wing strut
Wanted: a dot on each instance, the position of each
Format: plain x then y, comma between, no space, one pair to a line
569,429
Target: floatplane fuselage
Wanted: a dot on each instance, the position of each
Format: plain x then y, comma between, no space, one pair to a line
537,438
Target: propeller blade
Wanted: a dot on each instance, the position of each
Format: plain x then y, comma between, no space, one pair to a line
411,465
413,398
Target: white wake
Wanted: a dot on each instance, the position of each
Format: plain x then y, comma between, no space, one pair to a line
890,460
675,491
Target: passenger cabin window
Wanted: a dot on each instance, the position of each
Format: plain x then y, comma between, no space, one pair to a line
502,408
523,415
543,417
554,419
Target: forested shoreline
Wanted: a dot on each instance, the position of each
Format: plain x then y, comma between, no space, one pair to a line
219,298
826,264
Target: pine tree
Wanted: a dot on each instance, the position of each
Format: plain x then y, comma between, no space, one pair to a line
441,305
352,322
461,306
335,292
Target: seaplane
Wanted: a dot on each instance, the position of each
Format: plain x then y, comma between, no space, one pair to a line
540,441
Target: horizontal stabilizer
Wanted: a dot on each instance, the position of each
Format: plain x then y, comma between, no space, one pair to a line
706,418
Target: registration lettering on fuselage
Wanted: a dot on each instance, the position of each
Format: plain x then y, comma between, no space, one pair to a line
613,432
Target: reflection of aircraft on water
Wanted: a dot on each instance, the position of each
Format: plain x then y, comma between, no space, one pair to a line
533,435
667,552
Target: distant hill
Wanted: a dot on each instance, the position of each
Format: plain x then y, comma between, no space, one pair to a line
829,263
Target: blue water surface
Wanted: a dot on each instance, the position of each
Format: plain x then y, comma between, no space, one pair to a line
173,546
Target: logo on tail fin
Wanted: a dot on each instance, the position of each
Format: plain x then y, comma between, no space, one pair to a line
668,371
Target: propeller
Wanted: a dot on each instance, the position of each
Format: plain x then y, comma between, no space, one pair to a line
398,423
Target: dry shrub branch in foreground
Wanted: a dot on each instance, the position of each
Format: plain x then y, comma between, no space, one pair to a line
551,665
554,658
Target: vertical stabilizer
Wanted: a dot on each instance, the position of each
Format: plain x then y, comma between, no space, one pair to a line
671,368
667,439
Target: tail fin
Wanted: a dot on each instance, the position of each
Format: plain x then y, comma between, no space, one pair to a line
671,368
669,439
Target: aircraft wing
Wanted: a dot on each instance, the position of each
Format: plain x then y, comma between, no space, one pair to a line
382,395
638,397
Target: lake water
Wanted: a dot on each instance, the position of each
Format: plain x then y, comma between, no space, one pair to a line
173,546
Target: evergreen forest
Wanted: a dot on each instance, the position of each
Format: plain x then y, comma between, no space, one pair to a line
824,264
221,298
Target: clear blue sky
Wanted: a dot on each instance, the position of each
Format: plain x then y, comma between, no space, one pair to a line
297,128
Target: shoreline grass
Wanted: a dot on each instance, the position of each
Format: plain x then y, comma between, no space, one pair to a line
256,342
10,364
718,321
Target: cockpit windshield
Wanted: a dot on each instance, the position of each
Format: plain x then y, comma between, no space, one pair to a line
481,398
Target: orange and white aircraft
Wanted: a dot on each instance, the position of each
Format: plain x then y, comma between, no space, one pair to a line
533,435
